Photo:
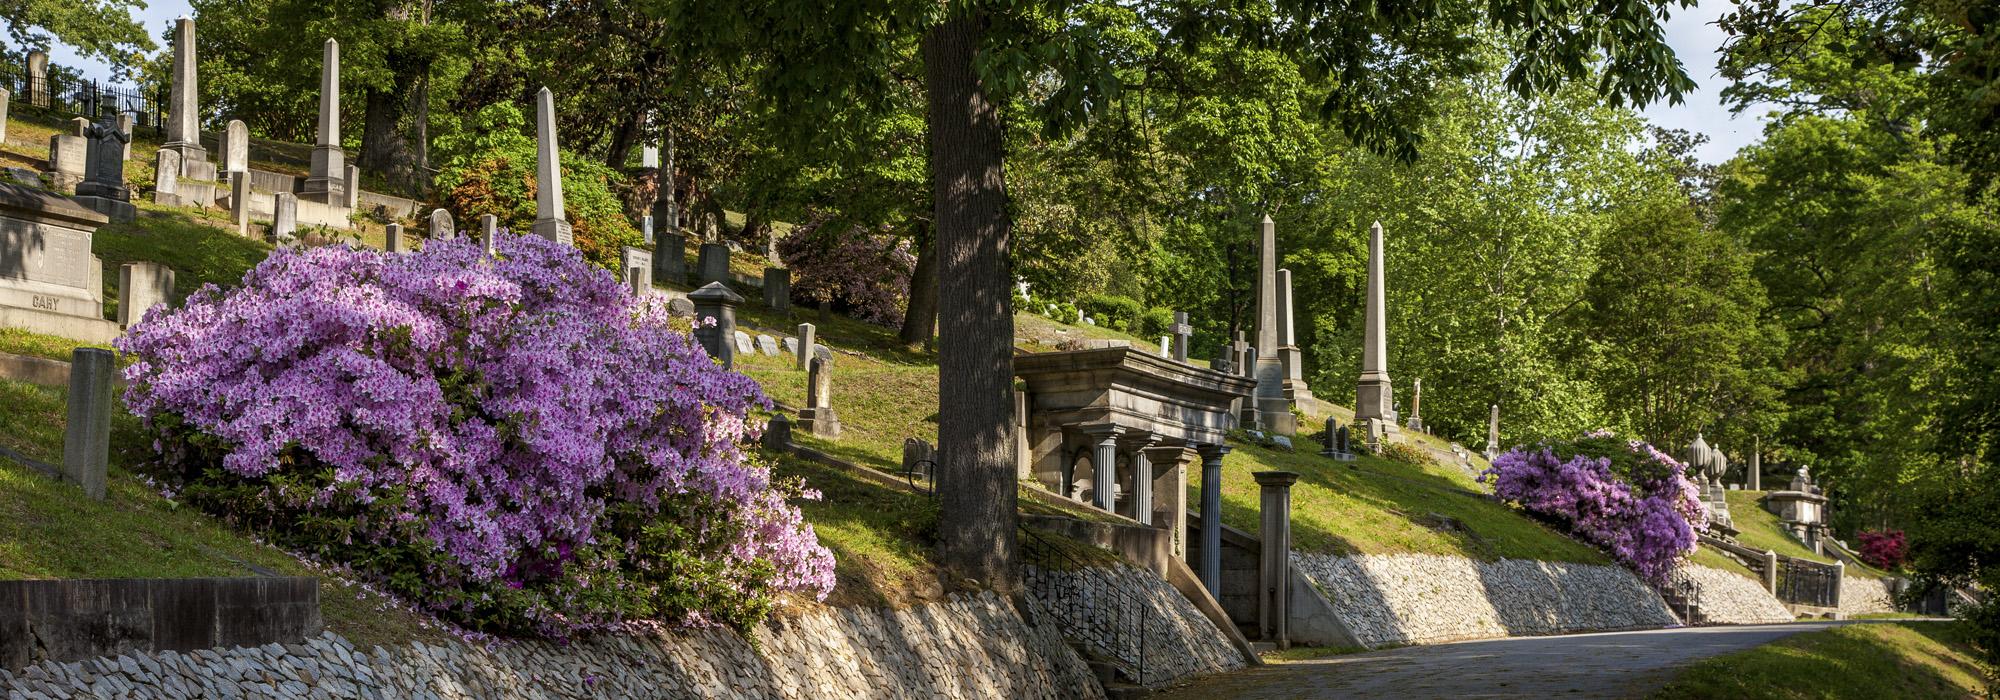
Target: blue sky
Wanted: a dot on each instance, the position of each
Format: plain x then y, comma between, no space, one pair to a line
1691,32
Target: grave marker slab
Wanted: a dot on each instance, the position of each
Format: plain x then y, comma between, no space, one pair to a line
767,345
87,433
49,281
442,228
818,416
142,286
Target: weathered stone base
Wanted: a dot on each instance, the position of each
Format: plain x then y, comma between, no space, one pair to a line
1424,599
119,211
95,331
969,647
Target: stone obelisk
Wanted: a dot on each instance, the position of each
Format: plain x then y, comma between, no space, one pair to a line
1375,407
184,123
549,220
1294,385
1273,410
327,183
1493,433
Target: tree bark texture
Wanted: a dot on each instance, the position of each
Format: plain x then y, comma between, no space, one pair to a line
920,319
976,481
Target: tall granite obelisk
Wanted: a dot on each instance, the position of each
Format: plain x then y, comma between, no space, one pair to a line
327,182
550,223
1375,407
184,117
1294,385
1273,410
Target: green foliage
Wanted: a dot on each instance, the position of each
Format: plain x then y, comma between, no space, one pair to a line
1113,311
1155,321
493,172
95,28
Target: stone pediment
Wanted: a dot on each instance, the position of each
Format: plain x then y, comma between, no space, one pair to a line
1140,391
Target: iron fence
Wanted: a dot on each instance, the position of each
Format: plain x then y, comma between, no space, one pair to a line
61,92
1683,596
1802,582
1107,621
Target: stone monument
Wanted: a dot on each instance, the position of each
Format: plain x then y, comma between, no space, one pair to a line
1417,405
1294,383
49,281
715,301
103,188
442,228
638,270
1375,407
183,116
818,416
142,286
1493,433
1274,410
235,149
327,182
550,221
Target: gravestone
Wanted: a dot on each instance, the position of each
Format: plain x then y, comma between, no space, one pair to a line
125,123
38,78
1493,434
778,433
790,344
87,433
1274,410
1326,438
1376,405
1346,453
767,345
49,281
1221,363
823,352
680,307
1166,346
183,115
352,187
818,416
284,219
6,96
239,205
69,156
142,286
442,228
167,178
713,262
326,183
550,221
392,238
1183,334
1274,535
1417,405
646,228
236,148
103,188
778,289
917,451
715,301
744,343
670,258
638,270
805,345
1289,356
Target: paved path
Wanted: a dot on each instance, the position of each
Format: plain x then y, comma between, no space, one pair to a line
1607,665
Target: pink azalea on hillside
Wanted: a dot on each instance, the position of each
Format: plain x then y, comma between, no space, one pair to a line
1626,497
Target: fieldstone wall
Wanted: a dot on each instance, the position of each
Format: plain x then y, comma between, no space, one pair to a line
1863,596
1134,619
1732,599
1422,598
968,647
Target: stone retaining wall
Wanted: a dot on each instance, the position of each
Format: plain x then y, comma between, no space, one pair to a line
1138,618
968,647
1421,598
1732,599
1863,596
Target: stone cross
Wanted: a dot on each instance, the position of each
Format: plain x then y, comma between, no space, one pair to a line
1183,334
1376,401
442,227
184,123
87,434
125,122
327,182
392,238
550,221
142,286
236,147
818,416
805,352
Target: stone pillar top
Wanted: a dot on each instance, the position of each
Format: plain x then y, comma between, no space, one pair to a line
1213,449
715,292
1275,479
1101,430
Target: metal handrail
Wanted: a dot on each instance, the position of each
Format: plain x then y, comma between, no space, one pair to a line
922,477
1121,618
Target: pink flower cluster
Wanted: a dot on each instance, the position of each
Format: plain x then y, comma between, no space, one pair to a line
506,403
1626,497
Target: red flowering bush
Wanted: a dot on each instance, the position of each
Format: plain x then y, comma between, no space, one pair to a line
1883,549
515,444
866,272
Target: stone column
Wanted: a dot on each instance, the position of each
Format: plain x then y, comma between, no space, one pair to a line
805,351
1493,433
352,188
392,238
550,221
1104,464
1376,403
778,289
184,122
1170,488
38,77
1267,289
327,182
142,286
239,204
284,218
1142,478
716,301
87,434
1771,571
1754,480
1289,356
1211,517
1274,601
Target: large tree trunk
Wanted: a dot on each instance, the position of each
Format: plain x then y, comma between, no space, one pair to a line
976,341
920,319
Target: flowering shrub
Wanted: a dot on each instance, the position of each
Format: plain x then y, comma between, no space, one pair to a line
866,272
1883,549
1624,496
515,444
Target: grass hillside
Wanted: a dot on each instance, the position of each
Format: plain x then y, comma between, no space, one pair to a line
1761,529
1901,660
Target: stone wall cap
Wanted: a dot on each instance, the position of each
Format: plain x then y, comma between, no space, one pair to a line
1276,478
1103,358
29,204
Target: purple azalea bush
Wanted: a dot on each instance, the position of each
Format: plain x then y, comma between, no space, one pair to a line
1624,496
515,443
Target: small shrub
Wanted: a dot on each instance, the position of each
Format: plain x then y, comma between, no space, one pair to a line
1406,453
1885,549
1112,311
1627,497
867,273
516,445
1156,322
